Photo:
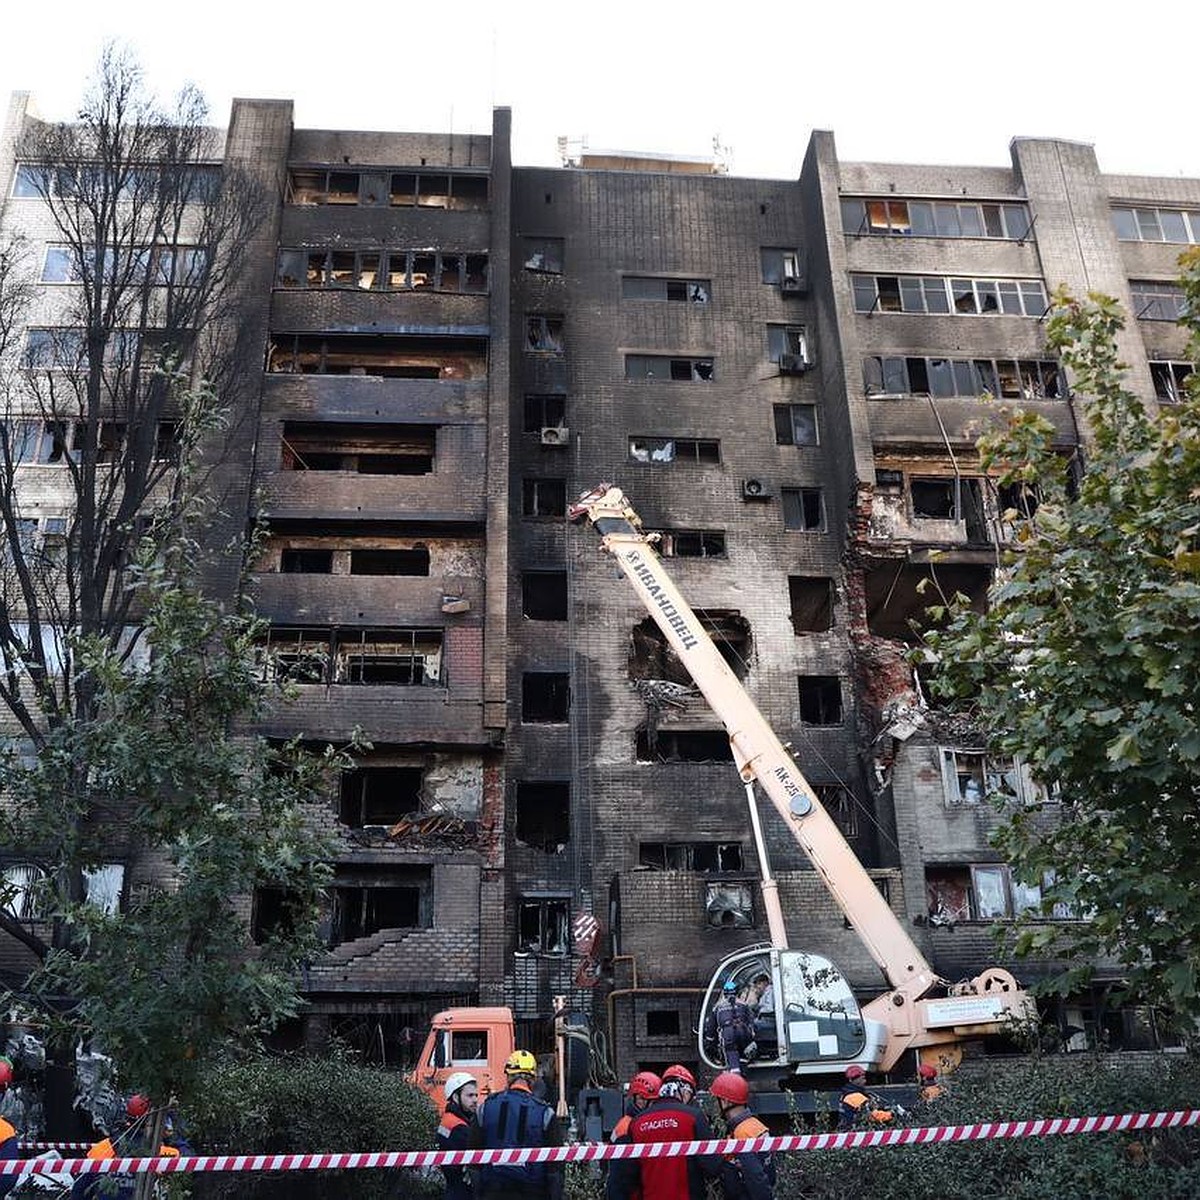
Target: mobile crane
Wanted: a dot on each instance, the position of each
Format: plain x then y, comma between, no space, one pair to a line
819,1026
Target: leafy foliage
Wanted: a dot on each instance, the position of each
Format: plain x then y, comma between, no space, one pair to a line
1116,1166
309,1104
1087,664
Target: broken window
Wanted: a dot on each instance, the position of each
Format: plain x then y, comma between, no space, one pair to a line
796,425
23,891
812,603
839,802
1021,499
803,509
370,900
788,346
274,914
706,857
820,700
1154,225
1170,380
543,815
666,450
544,595
381,356
924,218
729,905
971,776
690,543
544,254
545,697
662,367
683,745
362,449
1154,301
414,561
935,498
652,657
779,263
979,892
544,333
544,412
316,185
651,287
306,562
379,795
401,657
1027,379
542,925
544,497
936,294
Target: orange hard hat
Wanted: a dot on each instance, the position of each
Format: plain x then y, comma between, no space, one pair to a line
645,1084
731,1087
681,1073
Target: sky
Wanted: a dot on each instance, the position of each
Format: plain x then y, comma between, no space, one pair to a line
907,81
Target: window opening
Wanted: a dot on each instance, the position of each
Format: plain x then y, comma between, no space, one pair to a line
1170,380
667,450
362,449
379,795
839,803
811,603
1154,301
542,926
820,700
662,1022
662,368
544,497
544,595
706,857
935,498
729,905
306,562
690,543
545,697
680,745
390,562
651,655
544,411
649,287
544,255
543,815
544,334
803,509
796,425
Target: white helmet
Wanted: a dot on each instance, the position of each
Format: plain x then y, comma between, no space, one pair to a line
457,1081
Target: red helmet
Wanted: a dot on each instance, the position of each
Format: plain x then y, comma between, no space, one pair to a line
137,1106
645,1084
926,1073
680,1073
6,1073
731,1087
854,1071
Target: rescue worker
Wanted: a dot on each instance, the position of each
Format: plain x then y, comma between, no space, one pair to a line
132,1145
927,1081
643,1088
858,1106
669,1118
748,1176
9,1138
515,1118
454,1130
735,1027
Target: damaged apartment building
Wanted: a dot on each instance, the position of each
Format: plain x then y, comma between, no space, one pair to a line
785,377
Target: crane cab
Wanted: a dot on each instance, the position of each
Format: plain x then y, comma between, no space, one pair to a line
807,1021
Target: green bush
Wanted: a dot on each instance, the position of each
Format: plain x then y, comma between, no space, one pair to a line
269,1106
1078,1167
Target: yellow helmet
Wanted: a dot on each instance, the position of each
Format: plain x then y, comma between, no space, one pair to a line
520,1062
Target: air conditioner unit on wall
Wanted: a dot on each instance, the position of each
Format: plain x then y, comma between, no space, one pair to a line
555,435
755,489
793,285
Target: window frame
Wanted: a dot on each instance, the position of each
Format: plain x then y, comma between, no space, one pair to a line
945,295
801,492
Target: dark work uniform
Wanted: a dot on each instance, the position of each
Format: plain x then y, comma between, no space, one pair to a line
454,1133
749,1176
512,1119
665,1178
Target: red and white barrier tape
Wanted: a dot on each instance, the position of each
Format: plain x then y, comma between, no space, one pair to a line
595,1152
42,1147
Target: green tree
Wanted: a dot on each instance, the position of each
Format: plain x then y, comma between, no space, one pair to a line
1087,665
125,674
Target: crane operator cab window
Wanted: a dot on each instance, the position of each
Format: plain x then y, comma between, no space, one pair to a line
804,1010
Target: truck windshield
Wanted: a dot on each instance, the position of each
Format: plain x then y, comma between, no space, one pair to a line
821,1016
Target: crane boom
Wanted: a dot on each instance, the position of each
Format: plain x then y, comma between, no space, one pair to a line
761,757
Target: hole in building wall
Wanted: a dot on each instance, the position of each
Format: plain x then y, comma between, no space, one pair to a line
543,814
897,599
651,655
365,449
812,603
707,857
306,562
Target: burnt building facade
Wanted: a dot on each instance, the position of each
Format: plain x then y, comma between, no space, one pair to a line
786,378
